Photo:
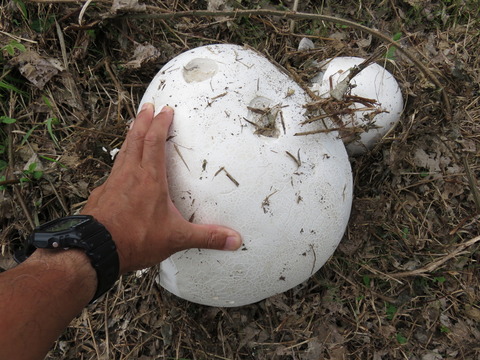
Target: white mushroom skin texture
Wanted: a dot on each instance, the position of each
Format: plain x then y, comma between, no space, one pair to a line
289,196
373,82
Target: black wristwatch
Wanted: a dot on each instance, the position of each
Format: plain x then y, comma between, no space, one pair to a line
80,232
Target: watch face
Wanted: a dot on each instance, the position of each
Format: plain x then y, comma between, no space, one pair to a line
64,224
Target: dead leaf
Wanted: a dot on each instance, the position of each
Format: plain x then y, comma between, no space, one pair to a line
278,301
306,44
473,313
6,210
214,5
363,43
387,331
426,161
34,159
465,334
71,94
282,351
339,35
143,54
36,69
314,351
378,355
452,189
126,5
80,188
7,262
247,335
432,356
338,352
166,331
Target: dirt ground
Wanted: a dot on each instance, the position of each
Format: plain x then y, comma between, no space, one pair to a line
404,282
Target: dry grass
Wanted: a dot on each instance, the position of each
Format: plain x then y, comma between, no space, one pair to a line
404,283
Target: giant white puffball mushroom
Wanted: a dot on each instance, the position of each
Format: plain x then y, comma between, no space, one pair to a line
374,83
233,159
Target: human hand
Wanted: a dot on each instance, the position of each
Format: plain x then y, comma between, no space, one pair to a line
135,206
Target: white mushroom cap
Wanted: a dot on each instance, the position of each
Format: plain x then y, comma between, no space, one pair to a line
289,196
373,82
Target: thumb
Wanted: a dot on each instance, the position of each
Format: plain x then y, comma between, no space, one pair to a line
213,237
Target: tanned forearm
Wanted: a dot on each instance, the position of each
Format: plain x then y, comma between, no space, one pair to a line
39,298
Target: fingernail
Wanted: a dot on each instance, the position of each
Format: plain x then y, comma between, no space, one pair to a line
146,106
166,109
232,243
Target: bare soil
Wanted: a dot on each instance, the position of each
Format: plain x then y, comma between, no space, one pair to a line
404,282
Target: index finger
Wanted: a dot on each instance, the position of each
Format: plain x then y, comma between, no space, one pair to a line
153,159
132,151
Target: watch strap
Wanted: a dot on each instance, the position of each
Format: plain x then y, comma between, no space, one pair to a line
104,259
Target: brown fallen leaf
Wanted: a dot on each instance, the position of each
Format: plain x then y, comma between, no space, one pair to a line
143,54
37,69
126,5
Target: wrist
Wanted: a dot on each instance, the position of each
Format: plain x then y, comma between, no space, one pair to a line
79,234
73,268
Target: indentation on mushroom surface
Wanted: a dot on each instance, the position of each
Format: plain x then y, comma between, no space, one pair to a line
262,114
199,69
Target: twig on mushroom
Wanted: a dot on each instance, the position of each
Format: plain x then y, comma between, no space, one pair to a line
266,202
179,154
232,179
314,258
321,131
212,100
297,160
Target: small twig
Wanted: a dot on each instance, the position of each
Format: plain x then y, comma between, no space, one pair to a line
300,82
282,121
82,12
60,199
232,179
10,182
336,113
212,100
65,1
121,92
297,161
472,182
314,259
11,161
252,123
434,265
96,131
92,334
80,204
18,38
63,48
219,96
105,312
292,22
179,154
266,202
19,198
319,131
